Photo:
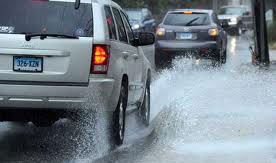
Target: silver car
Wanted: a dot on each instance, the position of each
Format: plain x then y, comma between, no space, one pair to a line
64,56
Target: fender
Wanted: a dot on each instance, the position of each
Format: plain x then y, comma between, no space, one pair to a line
117,68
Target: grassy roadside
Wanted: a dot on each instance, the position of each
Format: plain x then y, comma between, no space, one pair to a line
272,45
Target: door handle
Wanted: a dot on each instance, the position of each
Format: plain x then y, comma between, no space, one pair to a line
135,56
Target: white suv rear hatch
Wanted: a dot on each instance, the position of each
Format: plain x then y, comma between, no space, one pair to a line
56,58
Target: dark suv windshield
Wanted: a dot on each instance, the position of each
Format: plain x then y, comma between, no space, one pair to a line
135,15
231,11
180,19
43,16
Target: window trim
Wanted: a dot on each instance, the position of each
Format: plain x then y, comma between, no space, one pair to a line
118,38
122,13
115,23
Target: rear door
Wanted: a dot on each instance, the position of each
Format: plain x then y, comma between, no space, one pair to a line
138,62
50,60
127,51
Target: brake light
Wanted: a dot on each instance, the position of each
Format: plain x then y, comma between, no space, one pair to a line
160,31
213,32
188,12
100,59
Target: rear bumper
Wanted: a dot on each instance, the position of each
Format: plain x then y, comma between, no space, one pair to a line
166,50
97,95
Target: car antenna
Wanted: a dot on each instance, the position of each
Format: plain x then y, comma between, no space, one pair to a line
77,4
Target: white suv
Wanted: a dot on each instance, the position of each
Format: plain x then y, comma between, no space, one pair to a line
59,56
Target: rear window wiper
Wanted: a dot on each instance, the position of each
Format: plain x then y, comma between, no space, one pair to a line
28,37
190,22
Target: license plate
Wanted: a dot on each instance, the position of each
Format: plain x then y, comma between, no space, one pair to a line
202,62
27,64
184,36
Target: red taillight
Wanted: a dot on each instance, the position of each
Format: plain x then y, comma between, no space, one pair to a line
100,59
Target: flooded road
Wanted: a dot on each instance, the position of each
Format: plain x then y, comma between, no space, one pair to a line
210,115
199,114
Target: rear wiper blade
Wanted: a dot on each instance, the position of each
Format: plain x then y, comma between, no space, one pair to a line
28,37
190,22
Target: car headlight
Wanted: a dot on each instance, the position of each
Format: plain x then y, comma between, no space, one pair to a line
160,31
136,26
213,32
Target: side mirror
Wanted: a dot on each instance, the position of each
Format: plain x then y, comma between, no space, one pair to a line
144,39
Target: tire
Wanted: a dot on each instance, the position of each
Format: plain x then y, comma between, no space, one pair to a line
162,61
158,63
119,116
224,57
43,123
44,119
145,108
238,31
217,60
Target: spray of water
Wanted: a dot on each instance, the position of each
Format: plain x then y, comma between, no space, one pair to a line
199,104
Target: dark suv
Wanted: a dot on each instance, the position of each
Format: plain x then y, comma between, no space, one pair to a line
236,19
190,33
141,19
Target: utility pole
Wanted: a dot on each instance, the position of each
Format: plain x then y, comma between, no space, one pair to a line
261,44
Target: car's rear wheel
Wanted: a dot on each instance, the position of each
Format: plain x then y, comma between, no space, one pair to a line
224,57
119,116
145,108
217,60
159,64
44,119
43,123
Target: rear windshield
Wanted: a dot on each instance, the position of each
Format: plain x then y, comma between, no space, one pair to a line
45,16
181,19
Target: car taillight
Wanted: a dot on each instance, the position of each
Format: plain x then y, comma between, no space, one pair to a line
100,59
160,31
213,32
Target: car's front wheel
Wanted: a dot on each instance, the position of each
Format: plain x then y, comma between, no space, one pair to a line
238,31
119,116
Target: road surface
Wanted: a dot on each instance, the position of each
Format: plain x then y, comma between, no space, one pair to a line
199,114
